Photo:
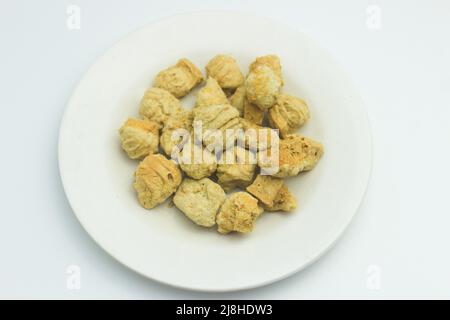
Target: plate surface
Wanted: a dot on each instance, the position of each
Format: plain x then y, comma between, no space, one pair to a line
163,244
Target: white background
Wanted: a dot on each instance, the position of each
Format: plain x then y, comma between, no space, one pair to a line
401,234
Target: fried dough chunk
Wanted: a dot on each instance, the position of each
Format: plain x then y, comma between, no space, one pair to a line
200,200
262,86
265,189
238,98
170,137
211,94
225,70
196,161
159,105
284,201
238,213
139,137
272,61
288,114
216,120
236,168
296,154
156,179
252,113
179,79
257,137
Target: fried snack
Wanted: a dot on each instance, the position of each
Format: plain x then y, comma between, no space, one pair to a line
296,154
238,98
226,71
257,137
265,189
262,86
252,113
139,137
211,94
156,179
170,137
158,105
288,114
216,120
179,79
284,201
271,61
236,168
238,213
196,161
200,200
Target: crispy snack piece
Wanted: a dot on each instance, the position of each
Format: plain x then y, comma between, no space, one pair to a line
262,86
257,137
216,120
272,61
226,71
238,213
252,113
296,154
196,161
288,114
238,98
170,137
265,189
156,179
139,137
200,200
236,168
158,105
211,94
179,79
284,201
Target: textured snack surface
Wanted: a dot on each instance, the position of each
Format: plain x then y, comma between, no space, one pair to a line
159,105
179,79
139,137
265,189
296,154
226,71
156,178
238,213
199,200
262,86
288,114
211,94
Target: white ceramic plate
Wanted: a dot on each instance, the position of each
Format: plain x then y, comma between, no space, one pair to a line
163,244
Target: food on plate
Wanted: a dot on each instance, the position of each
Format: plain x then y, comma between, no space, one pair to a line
196,161
284,201
265,189
296,154
211,94
225,142
176,131
236,168
262,86
288,114
272,61
238,213
156,179
215,121
200,200
179,79
252,113
139,137
225,70
159,105
238,98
